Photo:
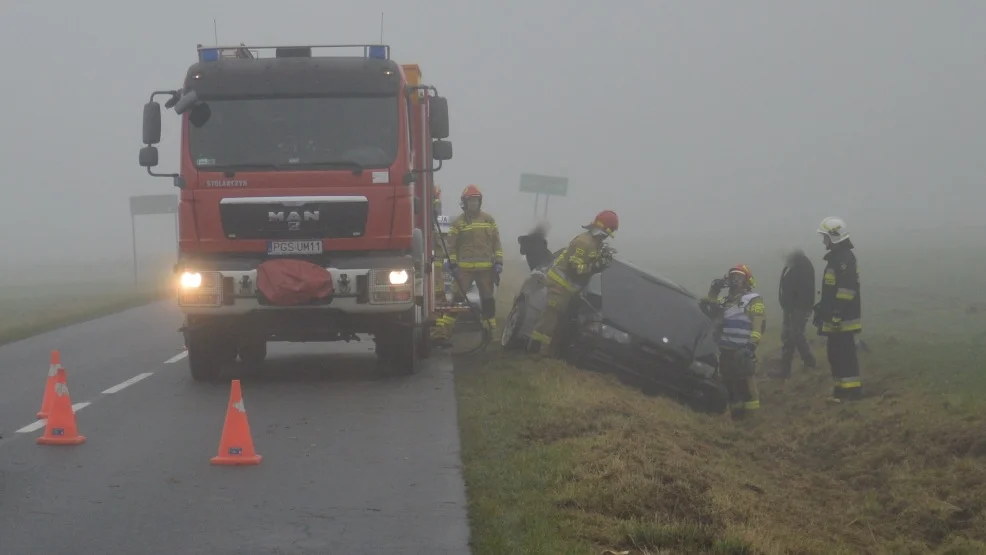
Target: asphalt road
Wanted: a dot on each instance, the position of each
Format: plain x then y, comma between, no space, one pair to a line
354,461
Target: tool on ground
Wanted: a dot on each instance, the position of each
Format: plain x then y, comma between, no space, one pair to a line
465,306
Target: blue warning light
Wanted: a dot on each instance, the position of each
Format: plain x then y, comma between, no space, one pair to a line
378,51
209,55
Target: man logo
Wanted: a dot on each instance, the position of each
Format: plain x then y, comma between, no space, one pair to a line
293,219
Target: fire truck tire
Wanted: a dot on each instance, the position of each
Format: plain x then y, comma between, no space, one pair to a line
407,359
205,362
398,348
254,352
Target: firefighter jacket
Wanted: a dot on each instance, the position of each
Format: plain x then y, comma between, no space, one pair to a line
743,320
797,286
574,266
475,242
840,309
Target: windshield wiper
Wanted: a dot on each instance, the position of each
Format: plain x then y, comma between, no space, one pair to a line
356,167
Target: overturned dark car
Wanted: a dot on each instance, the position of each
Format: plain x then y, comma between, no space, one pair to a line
647,330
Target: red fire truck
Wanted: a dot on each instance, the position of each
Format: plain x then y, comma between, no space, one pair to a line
305,207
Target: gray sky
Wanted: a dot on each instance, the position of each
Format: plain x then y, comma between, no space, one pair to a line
718,121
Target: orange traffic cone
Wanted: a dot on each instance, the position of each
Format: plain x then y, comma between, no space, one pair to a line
236,444
60,428
53,366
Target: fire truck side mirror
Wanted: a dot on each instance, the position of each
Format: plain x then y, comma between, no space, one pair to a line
438,117
441,150
148,156
152,123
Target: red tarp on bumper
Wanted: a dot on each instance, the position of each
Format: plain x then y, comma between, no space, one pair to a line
293,282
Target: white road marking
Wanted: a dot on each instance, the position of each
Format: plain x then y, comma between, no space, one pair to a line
177,357
127,383
38,424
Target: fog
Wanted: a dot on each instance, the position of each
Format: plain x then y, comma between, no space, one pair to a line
702,124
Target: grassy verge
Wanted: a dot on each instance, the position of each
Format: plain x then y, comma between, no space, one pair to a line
558,460
30,310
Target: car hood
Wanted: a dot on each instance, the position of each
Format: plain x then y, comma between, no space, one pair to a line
655,310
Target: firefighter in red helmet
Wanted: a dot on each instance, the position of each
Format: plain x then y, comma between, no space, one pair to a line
571,271
741,324
475,255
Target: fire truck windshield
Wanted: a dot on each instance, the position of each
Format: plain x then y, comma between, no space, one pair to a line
302,133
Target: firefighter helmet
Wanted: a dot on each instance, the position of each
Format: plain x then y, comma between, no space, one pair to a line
606,221
746,276
834,228
471,191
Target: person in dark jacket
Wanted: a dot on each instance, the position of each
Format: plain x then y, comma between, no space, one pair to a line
797,297
838,314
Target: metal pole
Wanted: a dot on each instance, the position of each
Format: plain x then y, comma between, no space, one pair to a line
133,242
546,199
537,197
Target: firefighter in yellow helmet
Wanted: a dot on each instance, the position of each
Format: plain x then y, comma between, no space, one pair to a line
570,272
475,255
742,322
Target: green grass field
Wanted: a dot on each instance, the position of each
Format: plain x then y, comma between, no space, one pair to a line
32,309
562,461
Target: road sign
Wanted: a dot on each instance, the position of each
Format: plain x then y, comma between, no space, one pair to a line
153,204
149,205
543,184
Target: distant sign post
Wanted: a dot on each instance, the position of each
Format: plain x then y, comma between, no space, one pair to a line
150,205
546,185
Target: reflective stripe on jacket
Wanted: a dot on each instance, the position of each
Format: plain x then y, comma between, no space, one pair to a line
738,327
840,307
574,266
475,242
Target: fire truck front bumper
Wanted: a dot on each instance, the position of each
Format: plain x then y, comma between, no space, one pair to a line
211,289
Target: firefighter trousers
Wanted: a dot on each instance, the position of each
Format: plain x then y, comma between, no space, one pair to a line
558,299
484,280
740,383
793,339
843,359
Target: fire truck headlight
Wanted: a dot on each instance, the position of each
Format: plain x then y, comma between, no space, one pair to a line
191,280
398,277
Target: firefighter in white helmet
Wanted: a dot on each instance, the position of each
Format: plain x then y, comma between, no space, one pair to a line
838,315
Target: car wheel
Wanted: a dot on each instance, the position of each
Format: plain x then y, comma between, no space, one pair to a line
511,329
711,397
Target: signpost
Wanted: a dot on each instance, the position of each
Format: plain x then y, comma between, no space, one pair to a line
149,205
546,185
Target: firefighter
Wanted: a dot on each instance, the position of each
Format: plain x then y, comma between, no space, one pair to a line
475,255
838,314
570,272
742,325
797,297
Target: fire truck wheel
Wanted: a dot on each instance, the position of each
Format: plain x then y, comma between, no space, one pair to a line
398,348
254,352
205,362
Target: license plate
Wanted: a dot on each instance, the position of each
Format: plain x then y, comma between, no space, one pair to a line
294,247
